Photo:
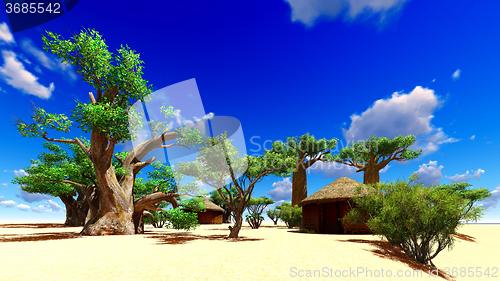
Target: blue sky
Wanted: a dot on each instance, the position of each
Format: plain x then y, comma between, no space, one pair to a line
283,68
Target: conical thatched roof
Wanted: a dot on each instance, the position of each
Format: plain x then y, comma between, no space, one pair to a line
341,189
211,206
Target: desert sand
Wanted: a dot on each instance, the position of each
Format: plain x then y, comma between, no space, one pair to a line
51,252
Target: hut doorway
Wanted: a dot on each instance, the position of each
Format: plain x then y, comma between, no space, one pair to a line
330,215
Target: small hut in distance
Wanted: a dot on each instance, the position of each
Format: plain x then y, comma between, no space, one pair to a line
212,214
323,211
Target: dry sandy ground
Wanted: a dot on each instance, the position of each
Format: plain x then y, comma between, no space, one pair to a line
273,253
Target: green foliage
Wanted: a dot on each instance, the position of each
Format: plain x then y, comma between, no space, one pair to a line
380,149
42,121
305,149
54,169
187,136
195,204
179,219
160,179
420,220
158,218
255,207
274,215
290,215
116,77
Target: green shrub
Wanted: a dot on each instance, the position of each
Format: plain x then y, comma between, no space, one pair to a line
290,215
274,215
179,219
157,218
255,209
421,220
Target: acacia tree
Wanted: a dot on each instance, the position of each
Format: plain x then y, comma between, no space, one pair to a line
118,83
274,215
255,209
372,155
67,176
218,161
306,150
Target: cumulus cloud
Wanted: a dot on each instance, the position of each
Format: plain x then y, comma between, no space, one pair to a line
429,174
456,74
493,199
5,34
20,173
332,169
282,190
47,61
467,175
48,207
7,203
32,197
23,207
309,11
401,114
14,74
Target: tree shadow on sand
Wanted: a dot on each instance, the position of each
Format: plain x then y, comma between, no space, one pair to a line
38,236
33,225
464,237
385,250
182,238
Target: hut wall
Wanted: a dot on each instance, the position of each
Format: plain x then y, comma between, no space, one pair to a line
310,217
210,217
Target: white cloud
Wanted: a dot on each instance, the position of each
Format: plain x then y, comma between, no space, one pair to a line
309,11
32,197
429,174
20,173
23,207
4,184
401,114
493,199
7,203
5,34
282,190
48,207
47,61
467,175
332,169
456,74
473,137
17,76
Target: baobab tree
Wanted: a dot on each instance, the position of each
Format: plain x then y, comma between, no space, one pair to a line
69,176
372,155
306,150
117,79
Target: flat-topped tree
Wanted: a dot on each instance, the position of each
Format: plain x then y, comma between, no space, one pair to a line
218,161
306,150
61,174
372,155
118,83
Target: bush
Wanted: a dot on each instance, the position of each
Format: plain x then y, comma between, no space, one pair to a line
274,215
291,215
255,209
179,219
157,218
421,220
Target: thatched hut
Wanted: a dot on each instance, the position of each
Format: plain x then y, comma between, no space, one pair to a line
323,211
212,214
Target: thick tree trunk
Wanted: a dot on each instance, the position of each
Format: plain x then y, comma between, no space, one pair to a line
76,210
299,185
371,176
92,199
150,202
238,222
138,218
115,205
